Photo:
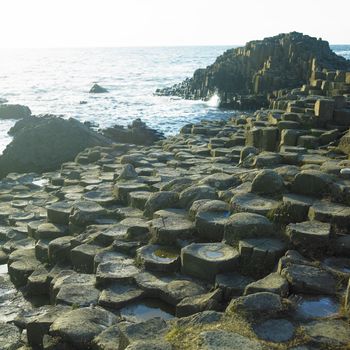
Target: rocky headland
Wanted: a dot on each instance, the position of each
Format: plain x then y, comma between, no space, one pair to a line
244,77
230,235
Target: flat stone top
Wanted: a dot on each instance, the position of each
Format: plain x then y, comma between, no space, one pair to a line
61,206
266,244
223,340
315,228
212,251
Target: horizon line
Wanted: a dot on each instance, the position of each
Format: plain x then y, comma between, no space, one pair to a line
132,46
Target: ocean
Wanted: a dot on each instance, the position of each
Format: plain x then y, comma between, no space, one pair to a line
56,81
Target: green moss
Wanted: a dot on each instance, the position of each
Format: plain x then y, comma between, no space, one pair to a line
166,253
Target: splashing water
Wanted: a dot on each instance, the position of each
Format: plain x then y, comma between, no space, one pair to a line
214,101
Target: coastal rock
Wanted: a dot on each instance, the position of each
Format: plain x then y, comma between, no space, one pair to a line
10,337
247,225
223,340
206,260
79,327
257,304
309,279
242,77
267,182
47,143
275,330
97,89
8,111
137,133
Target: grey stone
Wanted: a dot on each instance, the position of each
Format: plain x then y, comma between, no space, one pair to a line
272,283
160,200
83,256
79,327
223,340
128,173
58,213
194,193
232,284
122,270
247,225
211,218
253,203
107,340
267,182
260,255
171,289
312,183
118,295
262,303
275,330
131,333
206,260
169,230
159,258
332,333
198,303
309,235
309,279
10,337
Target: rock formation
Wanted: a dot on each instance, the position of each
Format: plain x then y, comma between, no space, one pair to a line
9,111
97,89
44,143
137,133
242,77
235,233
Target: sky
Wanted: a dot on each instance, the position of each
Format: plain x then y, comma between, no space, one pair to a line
92,23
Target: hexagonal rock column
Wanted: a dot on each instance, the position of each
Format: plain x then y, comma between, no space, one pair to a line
159,258
312,183
206,260
259,256
58,213
84,213
336,214
267,182
252,203
247,225
309,235
122,189
119,271
347,298
171,229
160,200
211,219
309,279
83,257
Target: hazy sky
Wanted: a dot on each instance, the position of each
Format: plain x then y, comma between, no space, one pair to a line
70,23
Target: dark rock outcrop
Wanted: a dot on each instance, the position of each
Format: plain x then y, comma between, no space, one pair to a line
137,133
43,144
8,111
243,77
97,89
344,144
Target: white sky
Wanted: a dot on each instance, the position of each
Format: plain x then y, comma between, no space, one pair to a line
77,23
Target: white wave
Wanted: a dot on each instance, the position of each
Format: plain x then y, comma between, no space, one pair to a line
214,101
